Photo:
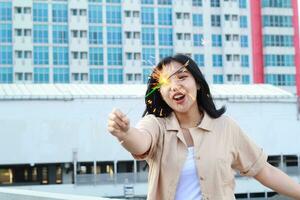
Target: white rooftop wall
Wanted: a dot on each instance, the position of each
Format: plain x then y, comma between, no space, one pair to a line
46,131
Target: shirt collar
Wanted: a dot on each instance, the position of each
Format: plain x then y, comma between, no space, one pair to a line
173,124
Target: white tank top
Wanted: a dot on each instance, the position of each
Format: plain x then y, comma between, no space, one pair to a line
188,187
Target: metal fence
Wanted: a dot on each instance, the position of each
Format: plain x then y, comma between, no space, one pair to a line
142,177
117,178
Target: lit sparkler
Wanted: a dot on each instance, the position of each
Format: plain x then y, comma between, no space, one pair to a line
162,78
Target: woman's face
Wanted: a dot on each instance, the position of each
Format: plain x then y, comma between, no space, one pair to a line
180,89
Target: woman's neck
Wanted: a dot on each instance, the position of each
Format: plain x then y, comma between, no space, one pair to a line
189,119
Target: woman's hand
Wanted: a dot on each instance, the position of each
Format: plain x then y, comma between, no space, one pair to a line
118,124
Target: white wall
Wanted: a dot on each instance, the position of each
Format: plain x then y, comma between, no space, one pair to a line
48,131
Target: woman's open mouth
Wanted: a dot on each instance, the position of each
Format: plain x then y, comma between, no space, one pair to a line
179,98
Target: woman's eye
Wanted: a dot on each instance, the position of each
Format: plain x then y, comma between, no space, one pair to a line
181,77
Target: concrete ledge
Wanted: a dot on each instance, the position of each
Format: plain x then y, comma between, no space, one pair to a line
21,194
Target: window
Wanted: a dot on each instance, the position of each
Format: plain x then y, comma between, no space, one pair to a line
96,76
242,3
114,56
164,2
40,33
83,34
95,14
187,36
244,41
146,73
164,16
136,14
82,12
6,74
277,3
40,12
280,79
41,75
61,75
40,55
147,15
148,56
216,40
235,37
60,34
165,52
95,35
197,3
217,60
198,40
5,11
277,21
5,33
218,79
165,36
27,54
114,35
27,32
199,59
245,79
19,54
197,20
113,1
60,13
148,36
275,60
227,17
96,56
147,1
127,13
215,3
115,76
278,40
18,10
6,55
186,15
178,15
215,20
244,60
60,56
27,10
243,21
113,14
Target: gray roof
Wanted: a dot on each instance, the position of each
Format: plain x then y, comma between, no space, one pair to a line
93,91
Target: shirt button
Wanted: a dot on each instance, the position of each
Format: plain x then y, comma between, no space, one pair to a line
202,178
198,157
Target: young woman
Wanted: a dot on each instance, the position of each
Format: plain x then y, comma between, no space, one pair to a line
192,149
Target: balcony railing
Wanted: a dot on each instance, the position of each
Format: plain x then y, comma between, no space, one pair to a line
119,178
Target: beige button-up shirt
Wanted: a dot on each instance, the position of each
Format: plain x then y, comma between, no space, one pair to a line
221,148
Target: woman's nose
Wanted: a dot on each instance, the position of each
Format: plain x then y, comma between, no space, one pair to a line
174,86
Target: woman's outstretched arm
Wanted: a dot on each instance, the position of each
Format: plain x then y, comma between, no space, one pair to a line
134,140
280,182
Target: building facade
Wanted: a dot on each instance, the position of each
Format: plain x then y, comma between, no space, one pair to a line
115,42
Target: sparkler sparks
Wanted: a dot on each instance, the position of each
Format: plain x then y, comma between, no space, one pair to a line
163,78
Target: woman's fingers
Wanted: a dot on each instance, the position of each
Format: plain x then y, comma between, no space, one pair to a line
117,122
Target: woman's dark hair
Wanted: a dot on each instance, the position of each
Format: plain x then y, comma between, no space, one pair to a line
157,106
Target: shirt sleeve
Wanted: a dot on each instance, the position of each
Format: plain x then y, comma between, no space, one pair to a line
250,158
150,125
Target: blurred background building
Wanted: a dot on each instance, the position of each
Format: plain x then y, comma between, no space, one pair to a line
115,42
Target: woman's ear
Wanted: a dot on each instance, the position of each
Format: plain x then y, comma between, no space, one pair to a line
198,87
